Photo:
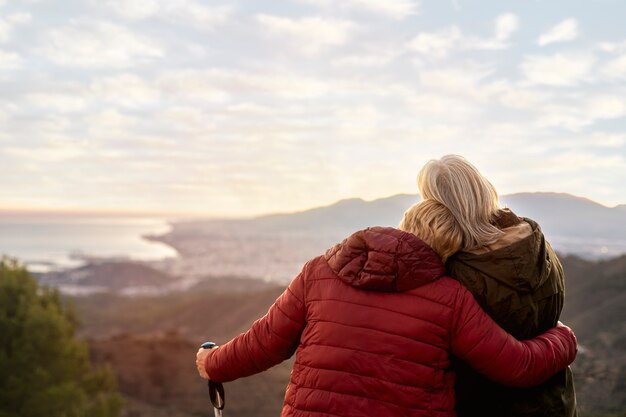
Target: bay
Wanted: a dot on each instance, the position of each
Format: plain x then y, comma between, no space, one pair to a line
52,242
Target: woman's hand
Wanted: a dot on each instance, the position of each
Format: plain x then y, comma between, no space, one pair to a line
201,361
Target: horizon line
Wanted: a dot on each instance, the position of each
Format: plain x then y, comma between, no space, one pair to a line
93,212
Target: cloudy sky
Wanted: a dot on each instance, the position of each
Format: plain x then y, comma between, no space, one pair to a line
245,107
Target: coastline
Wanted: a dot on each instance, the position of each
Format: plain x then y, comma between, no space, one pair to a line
51,243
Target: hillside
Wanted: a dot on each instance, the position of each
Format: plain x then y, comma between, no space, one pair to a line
594,308
157,374
217,309
153,353
108,276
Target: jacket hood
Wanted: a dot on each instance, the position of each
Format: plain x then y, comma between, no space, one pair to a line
384,259
524,265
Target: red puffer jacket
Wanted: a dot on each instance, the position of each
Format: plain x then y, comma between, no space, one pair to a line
373,323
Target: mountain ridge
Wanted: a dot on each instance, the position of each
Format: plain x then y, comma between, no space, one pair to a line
571,223
360,200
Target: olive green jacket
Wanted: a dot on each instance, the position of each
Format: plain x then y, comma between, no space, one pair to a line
521,286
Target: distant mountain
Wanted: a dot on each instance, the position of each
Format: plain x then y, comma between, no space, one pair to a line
345,215
342,216
573,224
560,214
275,246
567,215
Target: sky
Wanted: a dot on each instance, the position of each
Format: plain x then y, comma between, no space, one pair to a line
236,108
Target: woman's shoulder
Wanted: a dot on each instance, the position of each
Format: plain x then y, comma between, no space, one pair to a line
515,230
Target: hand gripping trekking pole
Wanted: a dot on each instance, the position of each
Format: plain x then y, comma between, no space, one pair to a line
216,389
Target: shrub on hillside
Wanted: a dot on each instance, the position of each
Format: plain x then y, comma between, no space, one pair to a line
44,369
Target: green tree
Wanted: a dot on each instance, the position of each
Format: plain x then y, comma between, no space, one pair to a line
44,369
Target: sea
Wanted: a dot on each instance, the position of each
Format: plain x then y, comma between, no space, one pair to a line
46,243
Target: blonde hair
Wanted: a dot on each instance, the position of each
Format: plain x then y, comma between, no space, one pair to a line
470,197
432,222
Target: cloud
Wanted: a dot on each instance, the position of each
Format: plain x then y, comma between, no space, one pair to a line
605,106
281,86
63,103
250,109
565,31
365,60
465,81
441,43
442,108
615,69
516,97
193,86
310,35
580,110
614,66
560,70
561,117
126,90
608,140
133,9
8,24
369,55
89,44
576,160
506,24
110,125
437,44
55,150
177,11
196,13
395,9
9,60
219,85
614,47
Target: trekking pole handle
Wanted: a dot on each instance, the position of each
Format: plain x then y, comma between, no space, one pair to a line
216,389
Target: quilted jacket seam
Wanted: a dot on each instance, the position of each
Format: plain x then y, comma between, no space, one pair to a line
381,308
424,388
295,296
421,297
288,317
280,336
312,411
379,331
262,350
376,400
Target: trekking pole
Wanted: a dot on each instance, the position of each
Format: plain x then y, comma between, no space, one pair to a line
216,389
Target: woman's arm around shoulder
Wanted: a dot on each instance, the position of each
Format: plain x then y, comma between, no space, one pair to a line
271,339
480,342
